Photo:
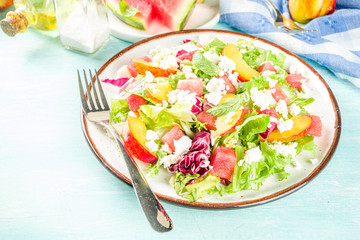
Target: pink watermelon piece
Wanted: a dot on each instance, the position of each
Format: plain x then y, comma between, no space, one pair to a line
229,87
184,55
135,102
316,126
279,94
207,118
174,134
194,85
294,80
223,162
267,66
272,112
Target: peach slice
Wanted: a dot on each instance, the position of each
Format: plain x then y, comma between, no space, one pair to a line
158,91
301,127
226,124
134,135
141,66
245,71
226,98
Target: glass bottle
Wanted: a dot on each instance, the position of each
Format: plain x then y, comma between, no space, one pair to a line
83,24
39,14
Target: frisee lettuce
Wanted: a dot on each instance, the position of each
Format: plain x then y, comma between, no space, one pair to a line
119,109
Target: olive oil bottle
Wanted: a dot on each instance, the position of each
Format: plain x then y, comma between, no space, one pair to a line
39,14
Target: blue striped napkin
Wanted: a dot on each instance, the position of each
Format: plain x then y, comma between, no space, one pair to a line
336,44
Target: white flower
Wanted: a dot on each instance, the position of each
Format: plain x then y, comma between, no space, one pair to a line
285,125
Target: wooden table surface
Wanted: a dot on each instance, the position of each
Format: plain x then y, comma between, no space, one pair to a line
53,187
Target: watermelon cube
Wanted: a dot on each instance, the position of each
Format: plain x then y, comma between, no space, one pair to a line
294,80
272,112
184,55
267,66
279,94
194,85
207,118
135,101
223,162
316,126
174,134
229,87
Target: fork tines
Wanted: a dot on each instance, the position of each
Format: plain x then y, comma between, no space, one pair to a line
100,103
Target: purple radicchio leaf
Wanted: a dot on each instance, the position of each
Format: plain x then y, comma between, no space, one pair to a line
181,52
266,134
196,108
116,82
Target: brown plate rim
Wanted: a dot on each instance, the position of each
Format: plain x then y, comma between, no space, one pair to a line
240,204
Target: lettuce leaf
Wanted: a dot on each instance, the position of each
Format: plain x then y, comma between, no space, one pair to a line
203,67
254,57
276,59
119,109
260,82
174,79
154,169
181,180
306,144
201,186
216,45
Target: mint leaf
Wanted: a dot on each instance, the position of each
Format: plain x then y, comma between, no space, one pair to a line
229,106
204,67
301,102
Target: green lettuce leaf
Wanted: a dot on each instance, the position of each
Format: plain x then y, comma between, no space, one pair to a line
174,79
229,106
276,59
203,67
254,57
216,45
119,109
260,82
306,144
181,180
201,186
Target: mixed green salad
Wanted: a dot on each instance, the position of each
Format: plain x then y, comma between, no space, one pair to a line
220,117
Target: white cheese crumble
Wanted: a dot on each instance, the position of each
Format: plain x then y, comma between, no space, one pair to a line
166,148
233,77
226,64
216,85
213,57
153,88
152,146
165,103
204,40
189,47
149,77
132,114
213,137
314,160
169,160
213,98
190,75
243,50
229,117
294,109
285,125
262,98
272,120
285,149
267,73
168,62
186,69
272,82
253,155
152,135
182,97
281,108
182,145
294,69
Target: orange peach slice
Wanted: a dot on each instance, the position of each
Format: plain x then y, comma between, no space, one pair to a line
227,123
158,91
134,135
301,127
226,98
141,66
245,71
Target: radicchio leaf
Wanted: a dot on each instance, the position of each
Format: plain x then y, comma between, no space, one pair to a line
116,82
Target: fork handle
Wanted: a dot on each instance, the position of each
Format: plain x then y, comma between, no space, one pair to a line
275,12
153,210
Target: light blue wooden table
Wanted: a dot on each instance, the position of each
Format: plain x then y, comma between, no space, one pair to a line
53,187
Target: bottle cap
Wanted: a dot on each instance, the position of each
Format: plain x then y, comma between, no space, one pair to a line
14,23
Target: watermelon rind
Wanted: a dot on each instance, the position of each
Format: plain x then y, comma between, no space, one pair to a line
134,21
183,14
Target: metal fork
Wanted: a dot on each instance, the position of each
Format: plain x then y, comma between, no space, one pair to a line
98,111
283,23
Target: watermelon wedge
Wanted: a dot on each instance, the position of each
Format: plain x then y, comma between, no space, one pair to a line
136,13
141,13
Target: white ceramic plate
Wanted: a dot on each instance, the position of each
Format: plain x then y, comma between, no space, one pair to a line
325,106
209,13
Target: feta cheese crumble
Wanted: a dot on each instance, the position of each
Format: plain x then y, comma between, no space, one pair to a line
212,56
149,77
132,114
272,82
166,148
253,155
229,117
213,98
285,125
168,62
294,109
216,85
314,160
285,149
182,97
281,108
152,146
151,135
169,160
262,98
182,145
226,64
